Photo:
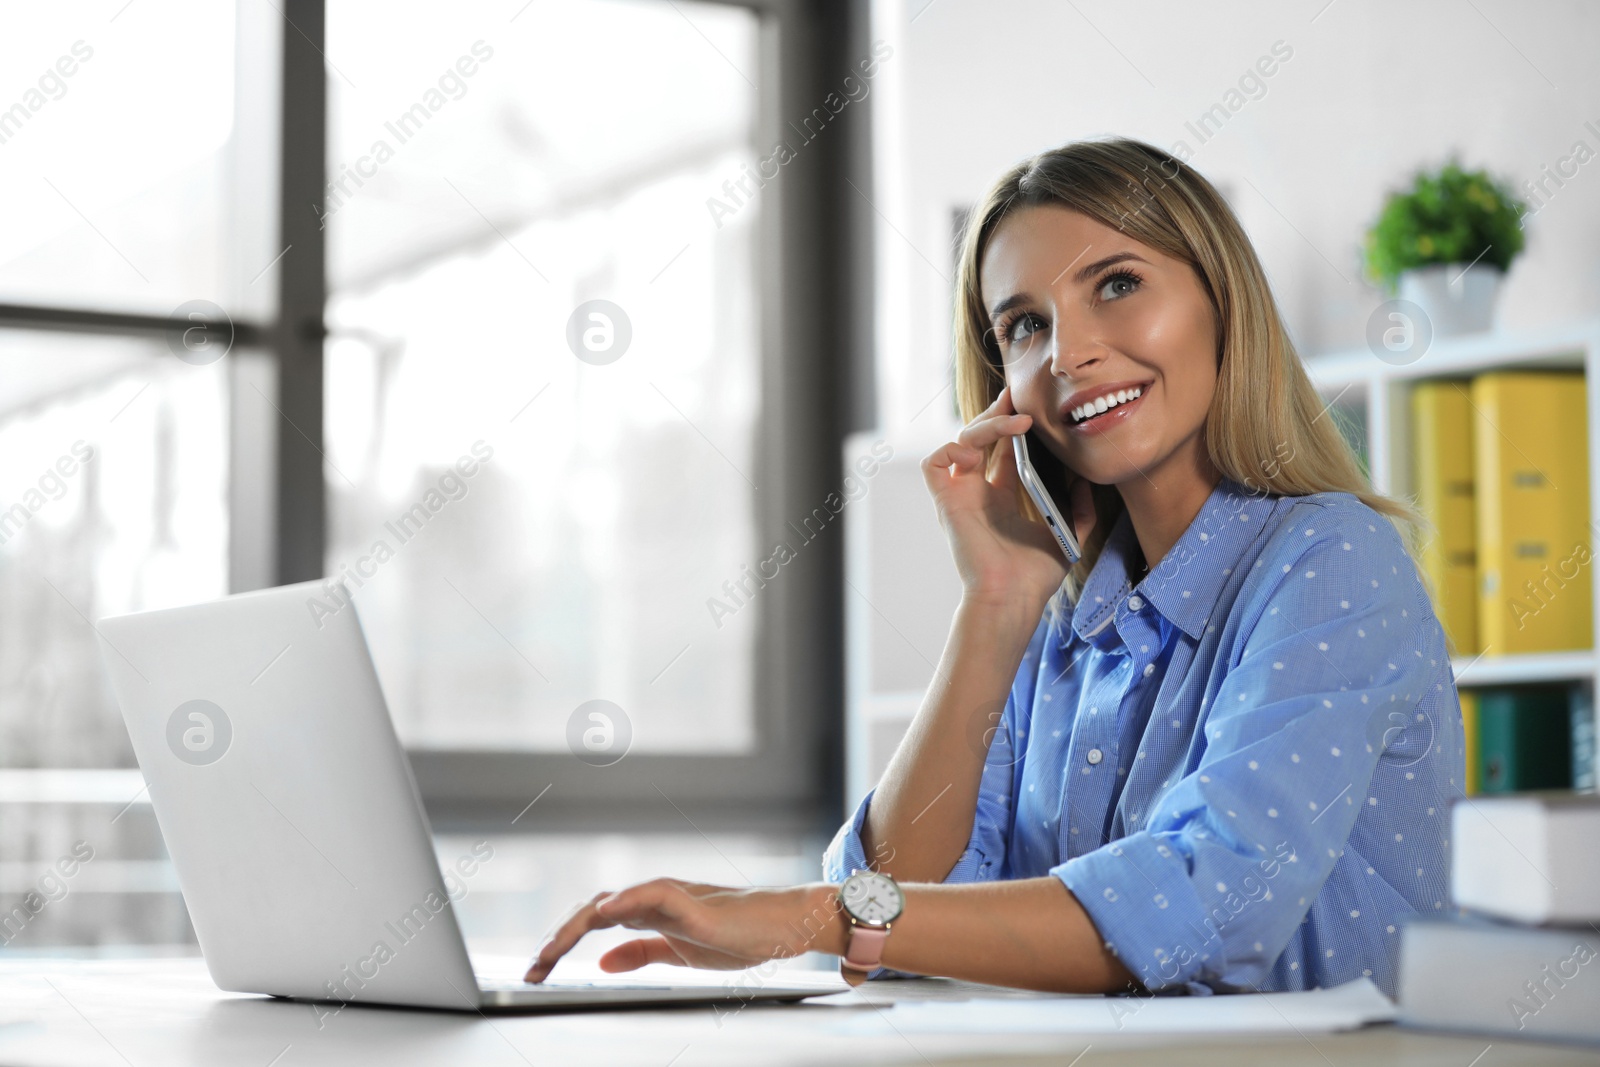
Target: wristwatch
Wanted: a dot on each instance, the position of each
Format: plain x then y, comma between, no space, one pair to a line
871,902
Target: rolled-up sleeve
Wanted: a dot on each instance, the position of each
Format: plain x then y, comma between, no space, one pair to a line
1209,891
847,853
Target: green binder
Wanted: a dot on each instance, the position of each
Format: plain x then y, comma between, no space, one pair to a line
1524,738
1583,738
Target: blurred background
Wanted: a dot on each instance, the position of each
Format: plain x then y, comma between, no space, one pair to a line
677,275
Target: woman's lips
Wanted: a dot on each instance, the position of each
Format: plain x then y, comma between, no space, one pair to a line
1112,417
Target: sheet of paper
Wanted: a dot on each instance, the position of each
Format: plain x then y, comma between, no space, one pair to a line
1344,1007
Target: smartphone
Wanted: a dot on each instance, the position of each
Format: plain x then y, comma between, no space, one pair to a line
1059,526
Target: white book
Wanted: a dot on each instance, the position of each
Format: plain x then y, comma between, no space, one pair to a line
1530,857
1480,976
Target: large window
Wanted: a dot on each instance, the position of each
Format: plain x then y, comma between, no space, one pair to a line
115,130
280,281
546,285
115,454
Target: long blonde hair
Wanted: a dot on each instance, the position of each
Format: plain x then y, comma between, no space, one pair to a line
1266,427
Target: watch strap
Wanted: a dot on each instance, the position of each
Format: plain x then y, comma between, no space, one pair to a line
865,948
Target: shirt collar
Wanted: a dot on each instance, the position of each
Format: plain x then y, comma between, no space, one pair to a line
1187,584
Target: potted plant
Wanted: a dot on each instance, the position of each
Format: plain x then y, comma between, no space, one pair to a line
1446,244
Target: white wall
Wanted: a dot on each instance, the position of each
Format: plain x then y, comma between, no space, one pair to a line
1372,90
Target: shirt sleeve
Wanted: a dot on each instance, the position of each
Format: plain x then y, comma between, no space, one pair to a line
1209,892
984,857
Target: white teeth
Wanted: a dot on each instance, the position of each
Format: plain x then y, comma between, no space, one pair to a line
1103,403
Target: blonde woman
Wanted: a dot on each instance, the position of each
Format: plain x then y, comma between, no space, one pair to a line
1217,753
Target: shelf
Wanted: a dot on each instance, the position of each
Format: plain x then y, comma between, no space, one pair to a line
1561,348
1524,668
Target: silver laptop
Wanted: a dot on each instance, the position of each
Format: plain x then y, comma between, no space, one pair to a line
290,812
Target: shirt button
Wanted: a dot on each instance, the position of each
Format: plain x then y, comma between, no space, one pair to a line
1095,755
1135,603
1149,669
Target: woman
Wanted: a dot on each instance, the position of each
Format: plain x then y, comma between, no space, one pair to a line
1216,754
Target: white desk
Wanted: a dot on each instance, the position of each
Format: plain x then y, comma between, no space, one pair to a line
167,1012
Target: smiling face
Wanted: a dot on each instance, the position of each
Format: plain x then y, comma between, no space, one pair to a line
1082,311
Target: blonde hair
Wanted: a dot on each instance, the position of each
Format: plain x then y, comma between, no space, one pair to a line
1265,428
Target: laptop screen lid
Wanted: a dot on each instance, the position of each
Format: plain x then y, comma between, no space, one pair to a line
286,801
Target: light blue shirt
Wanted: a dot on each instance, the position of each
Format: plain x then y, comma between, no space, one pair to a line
1242,766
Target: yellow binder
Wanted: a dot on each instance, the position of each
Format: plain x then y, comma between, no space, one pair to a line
1441,451
1469,731
1531,445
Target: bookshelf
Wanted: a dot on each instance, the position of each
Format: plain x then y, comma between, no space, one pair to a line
1370,398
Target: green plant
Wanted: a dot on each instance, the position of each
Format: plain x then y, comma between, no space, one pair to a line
1449,216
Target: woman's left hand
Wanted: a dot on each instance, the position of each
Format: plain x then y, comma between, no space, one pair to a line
701,925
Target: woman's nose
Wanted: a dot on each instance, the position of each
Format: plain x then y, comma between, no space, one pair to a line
1071,353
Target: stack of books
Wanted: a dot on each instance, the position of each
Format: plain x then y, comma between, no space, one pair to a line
1522,958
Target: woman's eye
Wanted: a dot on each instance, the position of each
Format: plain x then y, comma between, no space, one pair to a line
1118,285
1025,326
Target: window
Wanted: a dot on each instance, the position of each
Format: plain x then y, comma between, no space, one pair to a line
116,130
236,346
115,454
541,294
500,205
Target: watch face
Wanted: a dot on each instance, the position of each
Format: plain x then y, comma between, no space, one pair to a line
871,898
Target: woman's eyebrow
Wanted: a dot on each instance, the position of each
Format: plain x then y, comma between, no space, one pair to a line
1101,264
1006,305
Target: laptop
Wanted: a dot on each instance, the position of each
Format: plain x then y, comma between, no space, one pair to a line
293,820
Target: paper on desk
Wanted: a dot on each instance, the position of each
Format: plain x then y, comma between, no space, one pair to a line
1344,1007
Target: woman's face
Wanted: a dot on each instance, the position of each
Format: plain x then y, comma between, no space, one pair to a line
1079,309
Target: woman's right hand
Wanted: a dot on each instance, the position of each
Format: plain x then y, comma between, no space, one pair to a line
1004,558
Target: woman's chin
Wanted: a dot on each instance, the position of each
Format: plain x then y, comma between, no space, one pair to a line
1119,462
1116,473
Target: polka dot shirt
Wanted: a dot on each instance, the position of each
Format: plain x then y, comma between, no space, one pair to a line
1242,765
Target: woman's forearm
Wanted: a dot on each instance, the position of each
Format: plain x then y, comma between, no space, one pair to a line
1028,933
921,814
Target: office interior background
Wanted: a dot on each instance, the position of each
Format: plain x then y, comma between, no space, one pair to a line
278,268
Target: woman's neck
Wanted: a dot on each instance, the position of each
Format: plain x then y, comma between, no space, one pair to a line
1162,503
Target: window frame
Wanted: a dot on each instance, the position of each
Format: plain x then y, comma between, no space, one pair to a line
816,387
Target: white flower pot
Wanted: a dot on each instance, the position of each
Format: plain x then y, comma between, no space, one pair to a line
1457,298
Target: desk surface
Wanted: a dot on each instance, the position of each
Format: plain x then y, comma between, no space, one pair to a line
137,1012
